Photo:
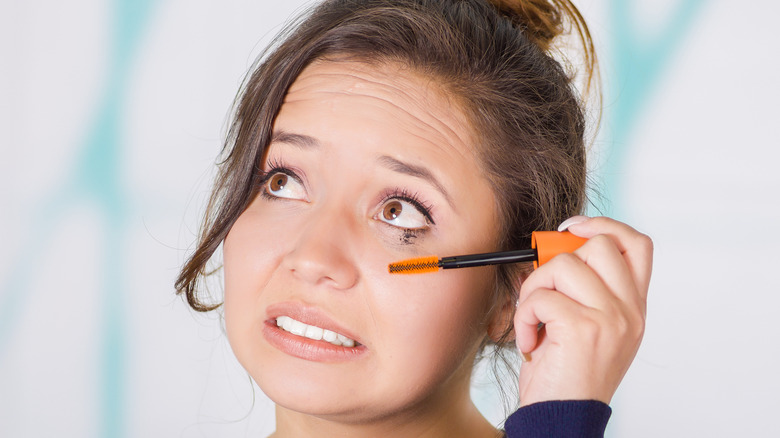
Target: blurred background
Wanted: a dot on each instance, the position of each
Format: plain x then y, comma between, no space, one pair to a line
112,113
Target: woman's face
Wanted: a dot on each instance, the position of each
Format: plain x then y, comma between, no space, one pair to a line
367,166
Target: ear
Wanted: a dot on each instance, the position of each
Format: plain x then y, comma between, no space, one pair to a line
501,319
500,322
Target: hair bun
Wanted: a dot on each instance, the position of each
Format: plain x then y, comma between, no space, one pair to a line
542,20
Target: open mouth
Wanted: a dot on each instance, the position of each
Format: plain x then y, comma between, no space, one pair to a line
313,332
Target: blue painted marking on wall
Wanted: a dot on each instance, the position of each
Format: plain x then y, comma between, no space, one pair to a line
101,169
639,64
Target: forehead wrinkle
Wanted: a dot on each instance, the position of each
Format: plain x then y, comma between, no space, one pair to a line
390,96
428,99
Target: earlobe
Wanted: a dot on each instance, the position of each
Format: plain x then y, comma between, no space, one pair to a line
500,323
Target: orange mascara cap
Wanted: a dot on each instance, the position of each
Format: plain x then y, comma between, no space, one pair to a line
549,244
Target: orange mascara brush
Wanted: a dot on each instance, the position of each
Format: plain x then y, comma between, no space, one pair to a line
544,246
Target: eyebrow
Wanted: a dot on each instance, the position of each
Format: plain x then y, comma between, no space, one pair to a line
415,171
308,142
300,140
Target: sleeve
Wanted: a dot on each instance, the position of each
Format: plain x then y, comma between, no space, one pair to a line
559,419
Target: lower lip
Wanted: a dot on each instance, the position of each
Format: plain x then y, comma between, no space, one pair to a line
309,349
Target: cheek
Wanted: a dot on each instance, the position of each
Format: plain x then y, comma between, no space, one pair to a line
248,261
431,335
457,305
437,315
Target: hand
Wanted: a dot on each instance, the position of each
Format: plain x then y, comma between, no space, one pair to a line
592,303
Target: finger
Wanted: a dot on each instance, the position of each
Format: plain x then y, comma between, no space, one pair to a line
568,274
542,306
604,258
636,248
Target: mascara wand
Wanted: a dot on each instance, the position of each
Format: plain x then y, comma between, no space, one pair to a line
544,246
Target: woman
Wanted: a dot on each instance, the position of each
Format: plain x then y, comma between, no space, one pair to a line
379,130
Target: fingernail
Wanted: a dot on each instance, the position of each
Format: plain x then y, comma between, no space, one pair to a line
571,221
524,357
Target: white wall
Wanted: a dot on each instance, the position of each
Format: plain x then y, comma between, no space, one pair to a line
111,115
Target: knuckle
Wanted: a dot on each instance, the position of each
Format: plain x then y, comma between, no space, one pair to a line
622,325
640,322
630,325
644,242
566,259
639,332
602,241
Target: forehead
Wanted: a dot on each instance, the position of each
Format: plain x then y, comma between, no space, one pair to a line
379,100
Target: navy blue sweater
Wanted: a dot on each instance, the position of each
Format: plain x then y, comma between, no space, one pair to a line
559,419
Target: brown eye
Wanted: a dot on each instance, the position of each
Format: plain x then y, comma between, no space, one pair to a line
402,214
277,182
282,185
392,210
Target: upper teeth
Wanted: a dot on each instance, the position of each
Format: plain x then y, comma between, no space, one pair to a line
313,332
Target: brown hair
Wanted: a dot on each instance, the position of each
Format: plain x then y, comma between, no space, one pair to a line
491,54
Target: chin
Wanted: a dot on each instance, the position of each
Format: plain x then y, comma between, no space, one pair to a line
325,390
330,393
321,403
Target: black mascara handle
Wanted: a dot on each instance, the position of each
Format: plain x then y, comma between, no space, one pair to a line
490,258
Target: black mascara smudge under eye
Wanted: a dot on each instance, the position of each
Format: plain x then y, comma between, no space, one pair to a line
408,236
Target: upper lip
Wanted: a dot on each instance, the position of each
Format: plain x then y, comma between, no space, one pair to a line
308,315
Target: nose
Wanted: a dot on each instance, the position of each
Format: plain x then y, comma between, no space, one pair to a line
321,254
